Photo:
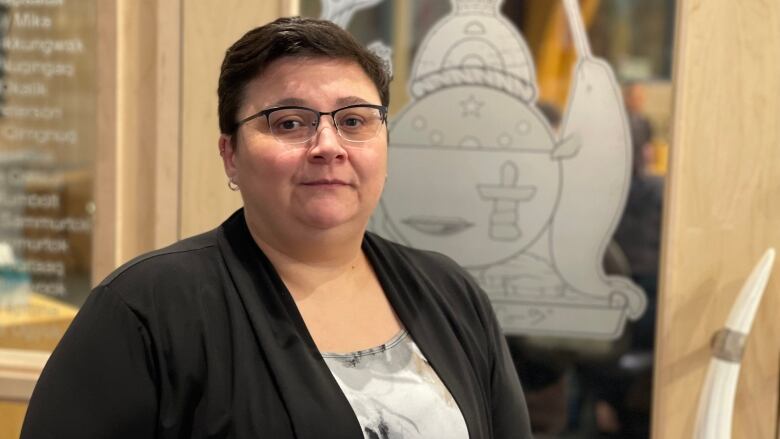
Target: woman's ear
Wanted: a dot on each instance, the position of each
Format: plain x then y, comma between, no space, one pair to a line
228,154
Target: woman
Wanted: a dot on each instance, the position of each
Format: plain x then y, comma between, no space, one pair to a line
289,320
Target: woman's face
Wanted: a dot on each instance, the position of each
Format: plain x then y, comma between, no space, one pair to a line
323,184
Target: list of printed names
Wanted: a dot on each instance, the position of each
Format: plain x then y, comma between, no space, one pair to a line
40,54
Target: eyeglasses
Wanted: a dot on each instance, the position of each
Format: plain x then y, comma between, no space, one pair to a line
296,125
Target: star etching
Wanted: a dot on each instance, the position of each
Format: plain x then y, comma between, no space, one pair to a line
471,106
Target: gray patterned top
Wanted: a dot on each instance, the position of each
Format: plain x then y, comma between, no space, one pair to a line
395,393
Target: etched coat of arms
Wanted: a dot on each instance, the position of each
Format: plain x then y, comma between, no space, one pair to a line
476,172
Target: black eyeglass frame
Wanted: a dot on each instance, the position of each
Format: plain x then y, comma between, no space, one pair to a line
267,112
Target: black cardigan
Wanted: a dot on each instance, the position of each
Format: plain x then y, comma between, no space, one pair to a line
203,340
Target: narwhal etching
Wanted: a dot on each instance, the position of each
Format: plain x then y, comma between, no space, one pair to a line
477,173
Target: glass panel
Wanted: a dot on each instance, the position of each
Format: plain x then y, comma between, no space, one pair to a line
576,385
47,150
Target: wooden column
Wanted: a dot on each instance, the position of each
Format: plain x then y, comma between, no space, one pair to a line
138,166
722,209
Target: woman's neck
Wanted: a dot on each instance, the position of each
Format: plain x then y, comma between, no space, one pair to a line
308,261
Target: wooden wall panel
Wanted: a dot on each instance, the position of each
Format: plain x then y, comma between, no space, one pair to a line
138,166
205,199
722,209
136,126
104,233
11,418
168,122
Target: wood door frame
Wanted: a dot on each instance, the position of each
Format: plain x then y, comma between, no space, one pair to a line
721,210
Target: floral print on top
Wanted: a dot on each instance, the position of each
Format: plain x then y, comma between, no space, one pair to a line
395,393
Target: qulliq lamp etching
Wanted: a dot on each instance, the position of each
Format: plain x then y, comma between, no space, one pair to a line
478,173
716,402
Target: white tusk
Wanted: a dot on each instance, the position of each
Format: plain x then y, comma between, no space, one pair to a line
744,310
716,403
577,27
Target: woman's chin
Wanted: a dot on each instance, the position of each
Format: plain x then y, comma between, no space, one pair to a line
327,219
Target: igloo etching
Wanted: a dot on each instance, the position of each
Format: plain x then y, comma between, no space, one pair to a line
476,172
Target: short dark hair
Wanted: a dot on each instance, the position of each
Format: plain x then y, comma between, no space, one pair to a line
248,57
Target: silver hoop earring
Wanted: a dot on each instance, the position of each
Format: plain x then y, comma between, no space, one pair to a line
232,185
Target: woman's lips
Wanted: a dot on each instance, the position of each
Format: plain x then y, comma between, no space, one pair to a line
326,183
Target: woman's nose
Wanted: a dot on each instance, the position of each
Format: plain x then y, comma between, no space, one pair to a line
327,143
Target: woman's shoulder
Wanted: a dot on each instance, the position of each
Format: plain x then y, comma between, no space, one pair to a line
191,261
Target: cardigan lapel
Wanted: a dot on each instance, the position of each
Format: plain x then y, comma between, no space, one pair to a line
433,328
316,405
